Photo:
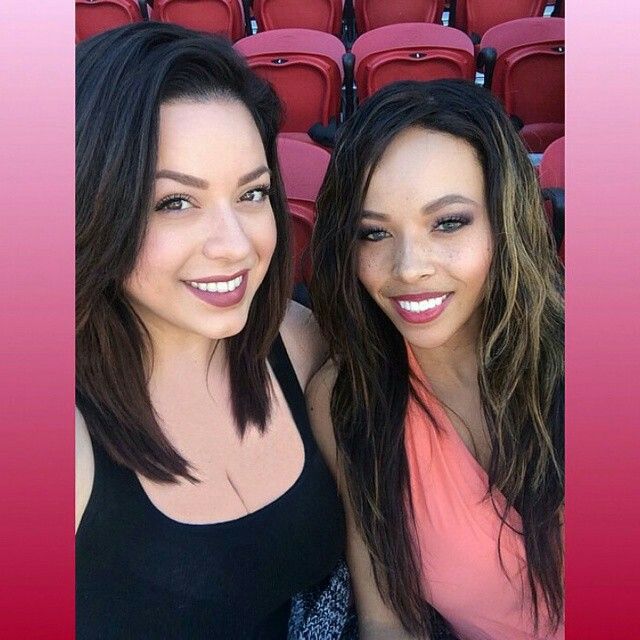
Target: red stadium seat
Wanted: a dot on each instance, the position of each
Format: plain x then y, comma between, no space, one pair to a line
322,15
96,16
303,166
306,69
523,62
477,16
371,14
211,16
415,51
551,174
551,169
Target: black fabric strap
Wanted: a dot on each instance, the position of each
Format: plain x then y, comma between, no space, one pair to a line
288,381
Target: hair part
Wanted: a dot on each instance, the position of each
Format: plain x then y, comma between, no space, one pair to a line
520,350
123,77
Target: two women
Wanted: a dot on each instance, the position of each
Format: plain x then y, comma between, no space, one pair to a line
437,288
203,504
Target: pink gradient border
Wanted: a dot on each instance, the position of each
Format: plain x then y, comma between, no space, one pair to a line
603,350
36,319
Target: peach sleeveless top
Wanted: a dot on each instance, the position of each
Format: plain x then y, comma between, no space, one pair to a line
457,532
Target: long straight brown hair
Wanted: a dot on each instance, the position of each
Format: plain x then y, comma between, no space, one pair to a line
520,349
123,76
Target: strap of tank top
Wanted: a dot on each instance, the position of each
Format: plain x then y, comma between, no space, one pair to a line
105,471
288,381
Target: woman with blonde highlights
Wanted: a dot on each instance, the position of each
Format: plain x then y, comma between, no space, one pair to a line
437,287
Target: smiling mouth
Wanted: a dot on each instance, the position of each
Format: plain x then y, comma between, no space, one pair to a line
225,286
220,291
414,305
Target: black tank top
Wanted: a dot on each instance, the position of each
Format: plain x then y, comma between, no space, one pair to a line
144,576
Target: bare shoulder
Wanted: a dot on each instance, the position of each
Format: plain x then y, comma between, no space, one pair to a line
375,619
305,346
318,397
84,466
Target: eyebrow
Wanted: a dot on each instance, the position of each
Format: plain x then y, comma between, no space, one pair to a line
429,208
183,178
199,183
252,175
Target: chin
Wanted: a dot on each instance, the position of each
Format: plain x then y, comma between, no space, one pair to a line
426,343
423,337
227,330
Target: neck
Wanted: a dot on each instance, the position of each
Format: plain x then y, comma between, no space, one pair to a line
180,355
454,364
448,367
186,357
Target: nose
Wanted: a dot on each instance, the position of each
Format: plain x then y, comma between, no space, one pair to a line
413,260
226,239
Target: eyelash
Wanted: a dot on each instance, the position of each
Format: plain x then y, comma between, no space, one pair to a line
459,220
163,205
175,197
366,232
265,189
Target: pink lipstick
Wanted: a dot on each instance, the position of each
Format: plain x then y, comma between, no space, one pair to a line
418,308
220,291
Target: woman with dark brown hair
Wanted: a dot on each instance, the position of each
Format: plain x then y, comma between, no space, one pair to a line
437,286
203,505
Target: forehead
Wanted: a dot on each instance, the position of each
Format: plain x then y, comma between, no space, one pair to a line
208,137
425,165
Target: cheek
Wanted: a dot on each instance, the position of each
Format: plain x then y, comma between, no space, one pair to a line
369,270
159,256
486,258
478,264
266,237
375,264
470,261
272,234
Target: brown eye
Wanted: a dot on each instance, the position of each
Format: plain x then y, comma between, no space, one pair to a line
259,194
174,203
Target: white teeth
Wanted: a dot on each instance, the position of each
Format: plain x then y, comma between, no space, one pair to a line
235,283
417,307
218,287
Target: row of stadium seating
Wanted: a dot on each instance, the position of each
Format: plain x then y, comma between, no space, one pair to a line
303,166
340,18
315,75
522,61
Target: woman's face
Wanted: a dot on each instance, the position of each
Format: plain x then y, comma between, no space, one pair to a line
425,243
211,231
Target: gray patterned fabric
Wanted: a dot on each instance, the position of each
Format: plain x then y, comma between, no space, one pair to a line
325,612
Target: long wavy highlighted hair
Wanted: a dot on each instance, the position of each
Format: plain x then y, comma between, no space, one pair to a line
123,76
520,350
